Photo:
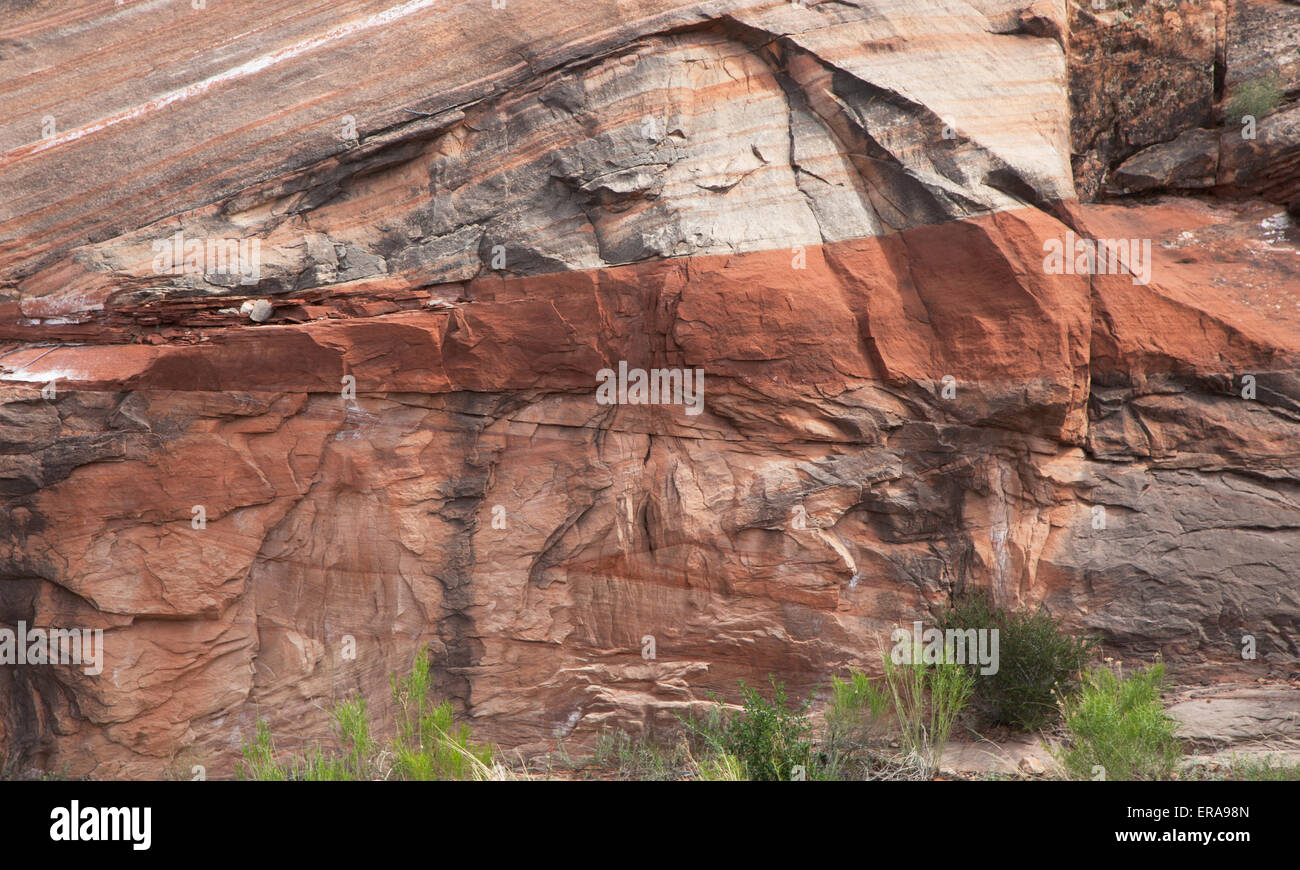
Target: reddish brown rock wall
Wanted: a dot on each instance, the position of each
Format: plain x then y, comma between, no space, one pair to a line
791,219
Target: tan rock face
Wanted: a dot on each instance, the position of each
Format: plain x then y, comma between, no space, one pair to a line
816,208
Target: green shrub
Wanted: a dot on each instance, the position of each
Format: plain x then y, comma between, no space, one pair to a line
359,748
856,702
927,700
1118,728
1255,97
1038,663
857,722
259,757
428,745
768,739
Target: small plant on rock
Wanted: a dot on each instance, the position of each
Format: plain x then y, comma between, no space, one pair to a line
1255,97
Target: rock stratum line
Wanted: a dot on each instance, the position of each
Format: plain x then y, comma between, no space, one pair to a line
838,212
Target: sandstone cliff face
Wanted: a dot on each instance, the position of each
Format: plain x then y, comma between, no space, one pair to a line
1154,89
837,212
1141,72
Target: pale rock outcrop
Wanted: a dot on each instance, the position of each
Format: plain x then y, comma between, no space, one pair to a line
462,216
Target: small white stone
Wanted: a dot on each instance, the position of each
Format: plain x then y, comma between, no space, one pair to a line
261,311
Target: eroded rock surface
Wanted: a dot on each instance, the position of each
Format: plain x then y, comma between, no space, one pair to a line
462,216
1186,95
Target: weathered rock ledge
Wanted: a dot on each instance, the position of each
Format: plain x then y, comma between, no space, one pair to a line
462,215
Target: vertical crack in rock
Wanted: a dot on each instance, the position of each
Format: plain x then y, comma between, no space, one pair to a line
838,214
